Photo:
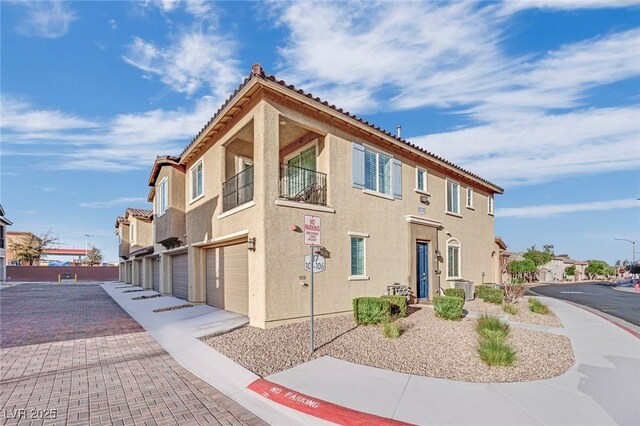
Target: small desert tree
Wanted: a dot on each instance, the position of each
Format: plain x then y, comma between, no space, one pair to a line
521,270
598,268
570,271
94,257
538,257
31,248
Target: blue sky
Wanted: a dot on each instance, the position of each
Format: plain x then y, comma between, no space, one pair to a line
541,97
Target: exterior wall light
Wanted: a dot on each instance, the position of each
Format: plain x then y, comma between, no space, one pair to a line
251,244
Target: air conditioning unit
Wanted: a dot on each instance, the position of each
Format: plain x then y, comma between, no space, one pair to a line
467,286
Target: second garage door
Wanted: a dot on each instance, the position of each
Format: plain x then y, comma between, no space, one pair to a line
228,278
155,272
180,276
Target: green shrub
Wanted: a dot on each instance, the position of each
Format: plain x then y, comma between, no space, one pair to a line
391,330
481,289
448,307
454,292
496,352
371,310
510,309
493,295
400,306
537,306
492,328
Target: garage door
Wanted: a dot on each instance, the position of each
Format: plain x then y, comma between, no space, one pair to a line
228,278
180,276
155,273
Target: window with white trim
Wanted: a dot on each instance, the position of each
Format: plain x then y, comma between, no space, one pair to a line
357,256
377,172
470,197
453,197
453,259
490,204
421,180
132,232
162,197
196,181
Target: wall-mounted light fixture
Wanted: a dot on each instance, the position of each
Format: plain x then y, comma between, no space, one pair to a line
251,244
295,228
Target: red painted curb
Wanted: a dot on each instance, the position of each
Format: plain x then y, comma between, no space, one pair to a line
317,407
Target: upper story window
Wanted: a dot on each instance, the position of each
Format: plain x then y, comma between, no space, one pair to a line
421,180
490,204
196,177
470,198
453,259
376,171
453,197
162,197
132,232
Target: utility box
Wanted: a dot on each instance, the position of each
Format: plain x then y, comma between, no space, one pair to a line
467,286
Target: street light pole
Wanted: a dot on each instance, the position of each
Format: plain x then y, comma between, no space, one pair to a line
86,246
633,245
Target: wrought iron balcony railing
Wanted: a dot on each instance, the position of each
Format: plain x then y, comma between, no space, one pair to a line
238,190
298,184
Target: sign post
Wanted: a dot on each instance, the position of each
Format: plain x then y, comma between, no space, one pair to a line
311,238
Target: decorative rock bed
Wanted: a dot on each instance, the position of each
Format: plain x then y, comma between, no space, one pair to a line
146,297
173,308
135,290
429,346
523,315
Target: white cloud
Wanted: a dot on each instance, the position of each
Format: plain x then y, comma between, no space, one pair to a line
113,24
547,210
195,60
49,19
115,202
537,148
509,7
198,8
18,115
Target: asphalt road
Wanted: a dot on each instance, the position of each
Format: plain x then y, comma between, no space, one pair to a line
620,304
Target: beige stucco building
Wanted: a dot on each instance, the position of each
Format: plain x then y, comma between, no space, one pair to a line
135,244
229,211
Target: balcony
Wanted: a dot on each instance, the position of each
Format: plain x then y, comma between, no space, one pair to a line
238,190
303,185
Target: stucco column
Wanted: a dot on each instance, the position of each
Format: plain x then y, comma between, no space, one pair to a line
165,274
266,141
197,275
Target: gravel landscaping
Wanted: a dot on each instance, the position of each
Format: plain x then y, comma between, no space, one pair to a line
429,346
174,308
523,315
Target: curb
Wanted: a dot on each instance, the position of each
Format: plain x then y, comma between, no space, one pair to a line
594,312
317,407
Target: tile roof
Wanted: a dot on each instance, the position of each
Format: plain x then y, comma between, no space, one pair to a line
141,213
258,72
161,160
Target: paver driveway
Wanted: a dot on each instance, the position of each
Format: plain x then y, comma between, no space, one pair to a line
72,355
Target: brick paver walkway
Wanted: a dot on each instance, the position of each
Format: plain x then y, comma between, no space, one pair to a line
121,378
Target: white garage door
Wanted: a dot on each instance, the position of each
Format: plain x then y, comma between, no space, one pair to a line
155,271
228,278
180,276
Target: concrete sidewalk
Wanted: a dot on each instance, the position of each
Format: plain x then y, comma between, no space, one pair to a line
178,332
602,388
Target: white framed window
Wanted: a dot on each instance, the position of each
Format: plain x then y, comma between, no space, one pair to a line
490,204
132,232
453,258
453,197
358,256
470,198
162,197
421,180
197,179
377,171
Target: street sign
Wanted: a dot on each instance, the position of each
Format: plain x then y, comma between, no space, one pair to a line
318,263
311,230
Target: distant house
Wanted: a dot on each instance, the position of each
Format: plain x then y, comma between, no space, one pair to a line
4,222
135,237
12,236
555,270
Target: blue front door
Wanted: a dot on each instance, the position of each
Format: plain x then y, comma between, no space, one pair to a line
422,251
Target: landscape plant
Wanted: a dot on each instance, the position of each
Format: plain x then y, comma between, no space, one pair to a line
570,271
391,330
454,292
492,342
599,268
481,289
493,295
448,307
510,309
537,306
371,310
94,256
513,292
400,306
522,270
